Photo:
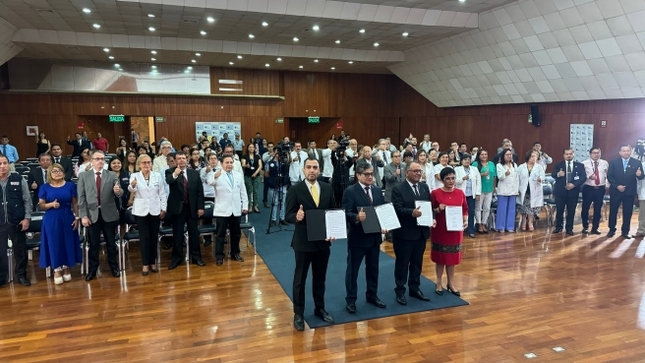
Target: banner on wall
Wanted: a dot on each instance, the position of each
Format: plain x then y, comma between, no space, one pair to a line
581,140
218,129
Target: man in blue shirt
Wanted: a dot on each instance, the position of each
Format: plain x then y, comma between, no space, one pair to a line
9,151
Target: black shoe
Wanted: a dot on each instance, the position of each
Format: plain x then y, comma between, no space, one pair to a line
611,233
219,261
90,276
376,302
595,231
298,321
585,231
284,223
266,205
154,269
400,298
626,236
321,313
24,281
351,308
272,224
199,262
558,230
454,292
438,292
237,257
570,233
207,242
173,265
419,295
115,272
145,273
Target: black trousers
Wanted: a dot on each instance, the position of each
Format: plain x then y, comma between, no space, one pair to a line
318,261
148,233
408,264
178,222
355,256
593,195
628,207
265,191
109,233
338,193
19,250
232,223
570,201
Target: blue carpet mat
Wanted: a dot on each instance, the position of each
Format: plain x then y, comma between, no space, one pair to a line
275,249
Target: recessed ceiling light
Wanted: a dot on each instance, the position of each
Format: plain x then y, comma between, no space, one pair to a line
264,23
301,67
111,57
152,29
333,68
316,28
251,36
153,51
295,39
116,65
210,19
405,34
120,69
106,50
153,59
194,61
362,31
198,54
239,57
267,64
462,1
351,62
86,10
189,67
315,60
279,59
337,42
154,67
202,32
231,63
96,26
376,44
151,15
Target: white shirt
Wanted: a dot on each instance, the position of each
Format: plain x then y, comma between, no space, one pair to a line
426,145
369,190
295,167
209,190
160,163
317,188
328,170
603,168
150,195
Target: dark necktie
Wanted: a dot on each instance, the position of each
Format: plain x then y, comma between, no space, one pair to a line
184,183
596,173
57,161
98,186
568,171
367,193
416,191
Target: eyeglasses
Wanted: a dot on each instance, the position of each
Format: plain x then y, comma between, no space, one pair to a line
415,171
396,156
368,175
99,159
146,162
56,171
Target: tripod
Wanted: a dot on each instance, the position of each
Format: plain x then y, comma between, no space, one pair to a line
277,191
341,164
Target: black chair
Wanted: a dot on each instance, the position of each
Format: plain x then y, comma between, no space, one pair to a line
22,169
131,234
32,241
166,231
208,229
246,226
549,203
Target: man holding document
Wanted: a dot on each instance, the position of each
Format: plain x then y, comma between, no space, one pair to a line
409,241
360,243
304,199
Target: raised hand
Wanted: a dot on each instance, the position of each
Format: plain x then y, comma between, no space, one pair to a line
134,183
217,175
639,172
508,172
301,214
416,213
116,188
468,177
55,204
561,173
361,215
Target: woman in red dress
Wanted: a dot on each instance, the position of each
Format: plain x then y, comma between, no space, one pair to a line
446,245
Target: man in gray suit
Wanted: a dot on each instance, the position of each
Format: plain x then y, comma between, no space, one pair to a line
393,174
97,189
376,162
316,154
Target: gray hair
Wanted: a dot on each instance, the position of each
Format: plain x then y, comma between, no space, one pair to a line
362,165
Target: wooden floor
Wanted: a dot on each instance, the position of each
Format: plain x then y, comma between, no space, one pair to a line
528,292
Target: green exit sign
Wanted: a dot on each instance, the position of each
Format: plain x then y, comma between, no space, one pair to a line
314,120
117,118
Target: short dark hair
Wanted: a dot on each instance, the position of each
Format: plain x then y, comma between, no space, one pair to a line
45,154
445,172
363,165
180,153
171,156
312,159
464,157
569,148
593,149
4,157
463,143
56,144
621,146
228,157
528,154
537,143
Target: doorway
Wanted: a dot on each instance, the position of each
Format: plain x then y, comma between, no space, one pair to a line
300,129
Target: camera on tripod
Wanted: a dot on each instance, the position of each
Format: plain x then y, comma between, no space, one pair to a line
284,148
342,146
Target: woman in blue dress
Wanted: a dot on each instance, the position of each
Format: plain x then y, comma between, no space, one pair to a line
59,246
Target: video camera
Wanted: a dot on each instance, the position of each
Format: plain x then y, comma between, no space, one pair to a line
342,146
640,149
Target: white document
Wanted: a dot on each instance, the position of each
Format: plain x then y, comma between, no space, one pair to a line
426,213
387,217
335,224
454,218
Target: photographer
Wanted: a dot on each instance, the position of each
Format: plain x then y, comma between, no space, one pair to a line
328,168
296,163
266,157
277,177
342,163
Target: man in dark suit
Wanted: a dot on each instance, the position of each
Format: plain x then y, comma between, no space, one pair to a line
79,144
393,174
38,176
362,245
569,176
316,154
307,195
64,161
622,175
409,241
185,205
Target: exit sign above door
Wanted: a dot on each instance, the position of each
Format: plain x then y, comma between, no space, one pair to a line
117,118
314,119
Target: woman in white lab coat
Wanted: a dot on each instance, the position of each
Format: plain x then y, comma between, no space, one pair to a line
531,197
507,191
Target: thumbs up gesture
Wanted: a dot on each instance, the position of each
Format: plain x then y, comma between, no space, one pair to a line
116,188
639,172
301,214
416,213
34,185
561,173
217,175
361,215
134,183
55,204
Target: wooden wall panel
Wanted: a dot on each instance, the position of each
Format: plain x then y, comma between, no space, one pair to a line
254,81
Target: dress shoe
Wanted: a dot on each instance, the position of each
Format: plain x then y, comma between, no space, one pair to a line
24,281
90,276
256,209
283,223
454,292
611,233
67,277
219,261
595,231
115,272
237,257
351,308
400,298
419,295
438,290
570,233
321,313
585,231
58,280
173,265
207,242
557,230
266,205
272,224
376,302
199,262
298,322
154,269
626,236
145,273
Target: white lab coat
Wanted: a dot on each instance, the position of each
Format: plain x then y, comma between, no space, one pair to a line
537,198
507,185
475,179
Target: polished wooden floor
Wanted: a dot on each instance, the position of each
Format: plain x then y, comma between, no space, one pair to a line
528,292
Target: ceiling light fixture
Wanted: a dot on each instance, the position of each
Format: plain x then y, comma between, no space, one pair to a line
267,64
239,57
202,32
153,51
351,62
316,28
153,59
111,57
295,39
301,67
152,29
333,68
405,34
376,44
194,61
151,15
116,65
251,36
86,10
315,60
231,63
264,23
154,67
337,42
189,67
120,69
279,59
106,50
210,19
362,31
198,54
96,26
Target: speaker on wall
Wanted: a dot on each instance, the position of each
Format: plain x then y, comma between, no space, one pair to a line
535,116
